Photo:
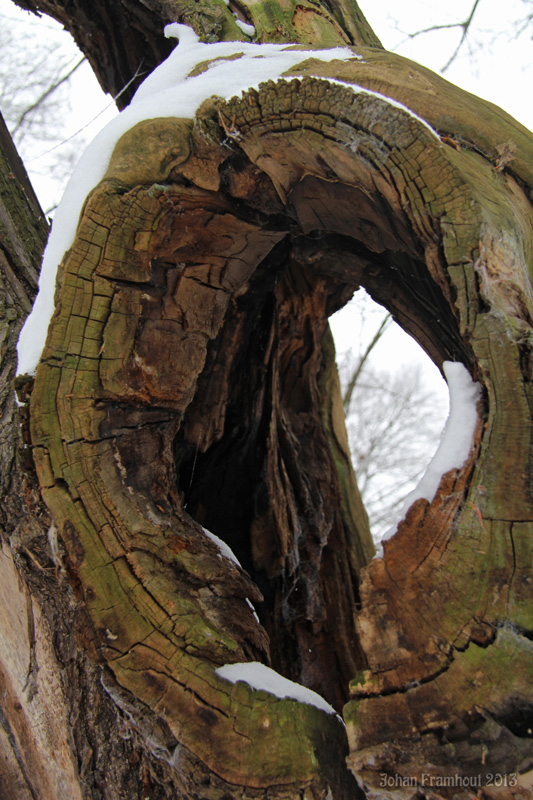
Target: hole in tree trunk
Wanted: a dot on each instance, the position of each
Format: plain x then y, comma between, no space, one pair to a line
268,484
213,340
396,404
254,454
232,337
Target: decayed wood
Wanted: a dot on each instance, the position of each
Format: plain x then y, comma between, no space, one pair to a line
185,374
450,580
145,289
61,735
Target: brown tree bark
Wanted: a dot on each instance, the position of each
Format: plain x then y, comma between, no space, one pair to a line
188,380
61,734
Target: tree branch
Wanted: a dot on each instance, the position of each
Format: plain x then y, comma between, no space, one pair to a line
353,380
46,94
465,27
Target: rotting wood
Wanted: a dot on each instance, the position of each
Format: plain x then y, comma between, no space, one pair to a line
163,317
153,586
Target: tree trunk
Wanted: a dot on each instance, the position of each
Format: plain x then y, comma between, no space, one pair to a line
61,735
188,380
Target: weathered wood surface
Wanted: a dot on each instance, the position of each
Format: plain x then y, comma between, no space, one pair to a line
23,232
184,376
123,372
61,735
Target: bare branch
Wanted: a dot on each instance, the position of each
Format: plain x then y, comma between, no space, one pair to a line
465,27
357,372
45,95
525,22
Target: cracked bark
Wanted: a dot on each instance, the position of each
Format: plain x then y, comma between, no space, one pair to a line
188,380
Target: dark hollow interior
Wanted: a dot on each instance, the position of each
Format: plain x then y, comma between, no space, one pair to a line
268,485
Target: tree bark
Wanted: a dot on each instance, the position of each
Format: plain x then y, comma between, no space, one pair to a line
61,734
188,380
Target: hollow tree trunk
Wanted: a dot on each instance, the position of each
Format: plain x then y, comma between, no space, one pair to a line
188,380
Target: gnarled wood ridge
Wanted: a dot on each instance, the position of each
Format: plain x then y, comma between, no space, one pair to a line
188,380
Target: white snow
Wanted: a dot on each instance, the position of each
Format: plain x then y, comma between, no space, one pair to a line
169,91
248,30
456,439
254,612
225,549
261,677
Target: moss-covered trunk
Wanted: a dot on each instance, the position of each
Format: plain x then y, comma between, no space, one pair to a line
188,383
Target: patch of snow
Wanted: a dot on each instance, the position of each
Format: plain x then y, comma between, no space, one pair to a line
185,35
248,30
225,549
169,91
263,678
254,612
456,439
53,541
